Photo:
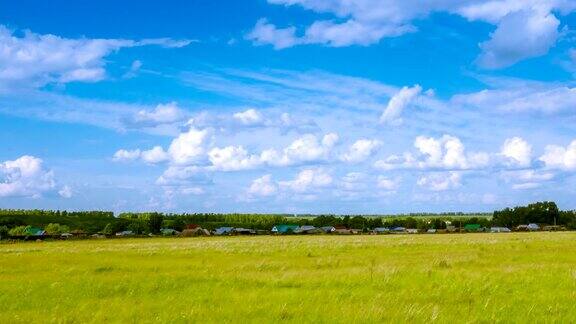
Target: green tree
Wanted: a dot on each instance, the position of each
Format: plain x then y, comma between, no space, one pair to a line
17,231
3,232
56,229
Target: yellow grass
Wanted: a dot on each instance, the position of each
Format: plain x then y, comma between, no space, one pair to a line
521,277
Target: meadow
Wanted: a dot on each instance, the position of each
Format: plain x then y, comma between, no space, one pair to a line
516,277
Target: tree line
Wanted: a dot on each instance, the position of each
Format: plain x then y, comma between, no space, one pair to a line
16,222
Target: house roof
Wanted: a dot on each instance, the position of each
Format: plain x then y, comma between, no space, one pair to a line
472,226
283,228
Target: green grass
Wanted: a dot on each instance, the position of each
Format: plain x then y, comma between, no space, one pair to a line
418,278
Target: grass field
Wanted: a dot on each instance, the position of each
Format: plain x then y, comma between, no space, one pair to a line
521,277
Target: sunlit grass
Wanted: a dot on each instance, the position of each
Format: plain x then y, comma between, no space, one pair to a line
446,278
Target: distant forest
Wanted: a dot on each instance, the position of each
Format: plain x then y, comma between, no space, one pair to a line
107,223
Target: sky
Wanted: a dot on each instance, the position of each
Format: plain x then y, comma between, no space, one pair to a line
287,106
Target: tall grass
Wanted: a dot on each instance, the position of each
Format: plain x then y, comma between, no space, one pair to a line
420,278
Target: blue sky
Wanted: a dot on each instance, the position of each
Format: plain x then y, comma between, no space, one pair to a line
303,106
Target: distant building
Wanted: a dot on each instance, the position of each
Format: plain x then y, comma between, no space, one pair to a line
223,231
284,229
499,230
381,230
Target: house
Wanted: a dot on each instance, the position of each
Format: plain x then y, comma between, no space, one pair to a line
66,235
223,231
34,231
197,231
381,230
284,229
398,229
499,230
533,227
328,229
191,226
346,231
553,228
125,233
243,231
412,230
472,228
307,229
168,231
451,228
431,231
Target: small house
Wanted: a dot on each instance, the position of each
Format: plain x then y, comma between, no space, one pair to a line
307,229
533,227
34,231
381,230
499,229
284,229
198,231
328,229
412,230
431,231
473,228
168,231
398,229
243,231
125,233
223,231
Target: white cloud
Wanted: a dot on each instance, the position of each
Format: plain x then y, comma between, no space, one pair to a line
446,152
155,155
522,97
162,114
527,179
308,180
399,102
249,117
520,35
263,186
232,158
25,177
559,157
440,181
188,147
266,33
517,151
524,28
35,60
123,155
65,192
361,150
307,148
387,183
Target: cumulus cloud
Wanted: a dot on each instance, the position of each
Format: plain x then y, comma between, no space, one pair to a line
519,35
232,158
308,180
399,102
263,187
440,181
249,117
307,148
446,152
162,114
388,184
26,177
188,147
524,28
559,157
123,155
154,155
361,150
266,33
517,152
527,179
65,192
35,60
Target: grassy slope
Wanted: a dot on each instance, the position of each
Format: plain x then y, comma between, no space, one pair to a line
449,278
